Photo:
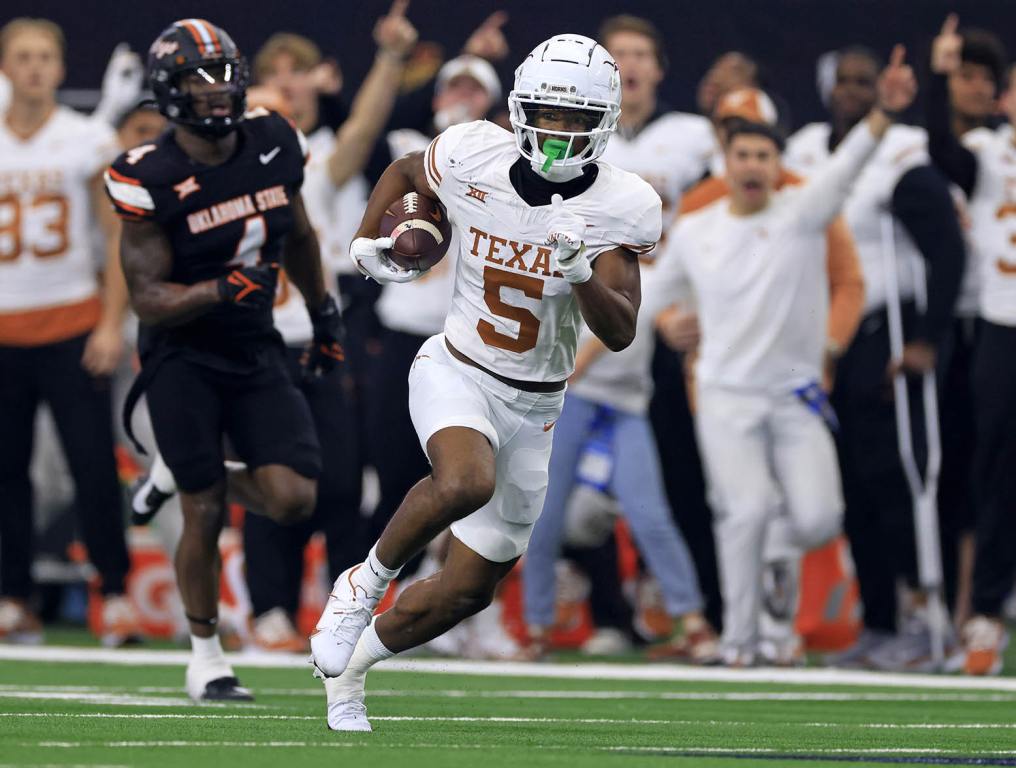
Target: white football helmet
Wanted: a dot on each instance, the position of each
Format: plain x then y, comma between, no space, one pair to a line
566,71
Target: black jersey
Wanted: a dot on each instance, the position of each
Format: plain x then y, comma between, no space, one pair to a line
216,217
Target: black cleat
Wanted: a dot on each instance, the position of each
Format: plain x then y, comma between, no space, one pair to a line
226,689
146,501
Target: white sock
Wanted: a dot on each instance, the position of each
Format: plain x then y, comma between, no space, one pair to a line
368,652
373,575
161,477
207,652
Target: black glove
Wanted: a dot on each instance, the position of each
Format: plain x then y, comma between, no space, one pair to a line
252,287
329,334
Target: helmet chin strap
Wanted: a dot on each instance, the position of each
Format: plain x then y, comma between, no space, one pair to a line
552,150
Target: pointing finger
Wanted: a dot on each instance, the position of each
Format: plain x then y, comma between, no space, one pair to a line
398,8
898,55
951,24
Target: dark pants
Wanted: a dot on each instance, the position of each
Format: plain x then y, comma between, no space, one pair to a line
682,473
956,501
274,553
995,467
82,409
878,516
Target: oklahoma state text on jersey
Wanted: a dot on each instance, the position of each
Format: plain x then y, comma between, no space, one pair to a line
216,217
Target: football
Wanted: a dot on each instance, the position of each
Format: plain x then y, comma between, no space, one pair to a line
420,229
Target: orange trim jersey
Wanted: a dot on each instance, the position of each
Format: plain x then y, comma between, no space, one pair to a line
216,218
48,267
511,312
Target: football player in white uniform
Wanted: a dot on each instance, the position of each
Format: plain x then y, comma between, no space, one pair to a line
760,415
982,168
548,237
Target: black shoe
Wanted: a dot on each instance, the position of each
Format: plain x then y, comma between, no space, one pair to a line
146,501
226,689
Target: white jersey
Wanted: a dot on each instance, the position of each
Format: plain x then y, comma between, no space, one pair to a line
48,280
992,209
419,307
511,313
760,282
870,201
329,211
671,152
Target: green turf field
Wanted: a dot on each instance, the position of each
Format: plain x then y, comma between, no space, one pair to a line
562,715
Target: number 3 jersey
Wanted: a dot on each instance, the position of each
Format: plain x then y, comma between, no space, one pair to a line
511,312
217,217
48,269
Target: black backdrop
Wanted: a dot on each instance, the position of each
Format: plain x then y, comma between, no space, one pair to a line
785,35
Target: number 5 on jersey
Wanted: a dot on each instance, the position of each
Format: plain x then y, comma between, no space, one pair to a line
529,324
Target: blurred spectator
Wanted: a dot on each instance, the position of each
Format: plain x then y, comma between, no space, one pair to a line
60,328
762,417
779,642
979,166
974,89
896,182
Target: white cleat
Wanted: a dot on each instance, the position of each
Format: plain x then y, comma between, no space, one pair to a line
349,715
347,614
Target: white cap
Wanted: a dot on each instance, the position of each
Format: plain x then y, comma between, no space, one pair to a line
475,67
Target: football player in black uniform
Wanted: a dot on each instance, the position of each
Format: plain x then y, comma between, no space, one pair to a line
211,210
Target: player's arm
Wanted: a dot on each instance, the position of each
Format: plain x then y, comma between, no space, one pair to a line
302,259
395,37
609,300
367,250
956,161
828,189
147,261
105,343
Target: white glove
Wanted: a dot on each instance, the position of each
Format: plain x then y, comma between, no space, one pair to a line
369,256
121,84
565,234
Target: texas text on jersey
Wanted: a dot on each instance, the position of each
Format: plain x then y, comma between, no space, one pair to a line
217,218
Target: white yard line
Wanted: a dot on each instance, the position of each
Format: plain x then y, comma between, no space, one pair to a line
368,742
513,720
583,671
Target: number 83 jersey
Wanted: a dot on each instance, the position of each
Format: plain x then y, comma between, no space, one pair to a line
217,217
511,311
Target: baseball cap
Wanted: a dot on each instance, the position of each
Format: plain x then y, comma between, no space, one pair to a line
475,67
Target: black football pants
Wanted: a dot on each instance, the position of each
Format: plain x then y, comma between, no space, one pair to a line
995,467
274,553
82,409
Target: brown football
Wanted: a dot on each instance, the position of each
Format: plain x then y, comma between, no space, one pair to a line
420,228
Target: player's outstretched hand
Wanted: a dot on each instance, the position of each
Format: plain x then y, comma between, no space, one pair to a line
121,84
368,254
250,287
394,33
488,41
565,234
947,47
897,85
325,350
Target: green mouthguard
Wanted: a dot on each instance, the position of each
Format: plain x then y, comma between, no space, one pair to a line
553,149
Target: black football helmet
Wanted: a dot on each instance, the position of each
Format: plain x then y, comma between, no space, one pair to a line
197,46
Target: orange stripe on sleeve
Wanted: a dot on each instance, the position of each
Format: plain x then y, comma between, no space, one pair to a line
846,283
431,161
116,176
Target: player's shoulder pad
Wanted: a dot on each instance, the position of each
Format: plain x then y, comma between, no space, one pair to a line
269,127
807,141
905,146
465,147
636,208
131,179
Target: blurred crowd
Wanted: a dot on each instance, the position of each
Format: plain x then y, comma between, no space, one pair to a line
696,512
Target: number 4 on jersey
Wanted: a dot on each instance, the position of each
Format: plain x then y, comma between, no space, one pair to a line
248,250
